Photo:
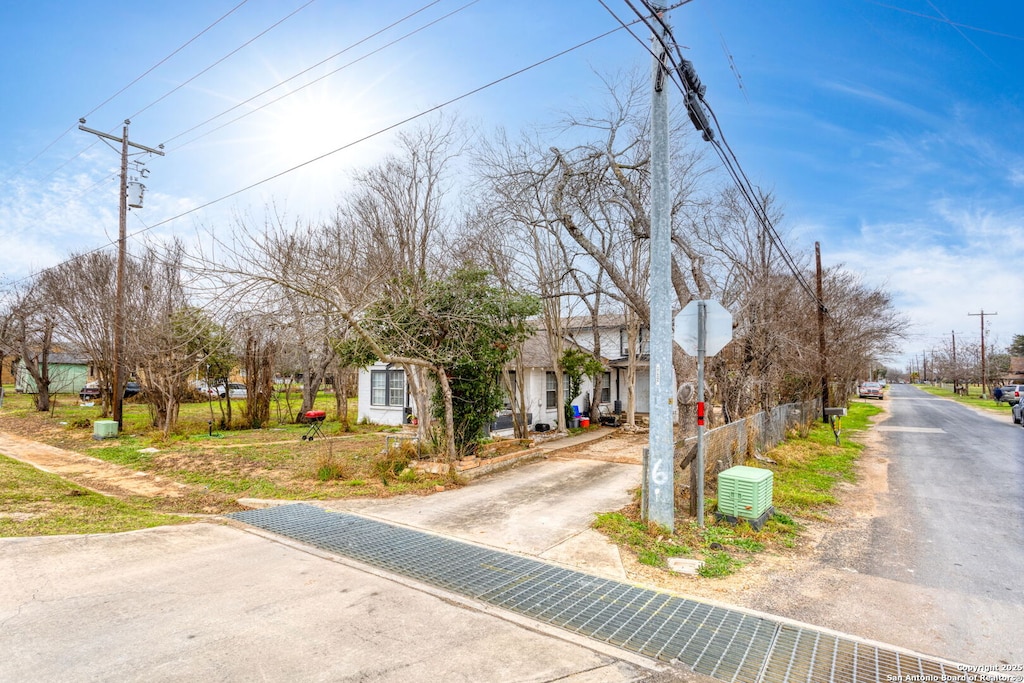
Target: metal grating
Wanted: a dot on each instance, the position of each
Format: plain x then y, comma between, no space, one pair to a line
726,644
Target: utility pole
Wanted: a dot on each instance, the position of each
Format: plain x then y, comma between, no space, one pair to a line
823,364
956,386
661,442
984,375
122,228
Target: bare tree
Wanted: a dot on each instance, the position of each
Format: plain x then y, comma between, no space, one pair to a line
83,293
171,337
400,218
27,332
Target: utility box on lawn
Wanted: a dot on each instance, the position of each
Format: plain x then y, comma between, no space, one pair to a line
745,493
104,429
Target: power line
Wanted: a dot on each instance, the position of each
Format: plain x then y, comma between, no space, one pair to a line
318,79
225,57
944,20
346,146
685,78
106,101
392,25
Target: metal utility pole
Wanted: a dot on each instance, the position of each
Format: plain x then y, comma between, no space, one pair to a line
984,375
661,441
119,378
823,364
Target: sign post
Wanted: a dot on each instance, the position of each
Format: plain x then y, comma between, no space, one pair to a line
703,328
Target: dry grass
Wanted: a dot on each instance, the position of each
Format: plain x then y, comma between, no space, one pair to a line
265,463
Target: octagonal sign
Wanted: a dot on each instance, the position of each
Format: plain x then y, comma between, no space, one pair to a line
718,327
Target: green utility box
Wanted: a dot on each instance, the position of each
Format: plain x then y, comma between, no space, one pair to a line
745,493
104,429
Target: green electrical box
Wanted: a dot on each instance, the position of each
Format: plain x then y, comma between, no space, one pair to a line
104,429
745,493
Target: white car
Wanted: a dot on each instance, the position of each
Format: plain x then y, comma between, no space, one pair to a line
1018,413
236,389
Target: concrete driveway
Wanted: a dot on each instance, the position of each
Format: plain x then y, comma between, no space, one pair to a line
543,509
214,602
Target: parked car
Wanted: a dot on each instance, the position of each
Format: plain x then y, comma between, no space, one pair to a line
91,391
205,389
1018,413
1011,393
870,390
237,390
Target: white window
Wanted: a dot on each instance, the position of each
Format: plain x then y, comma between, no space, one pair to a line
387,387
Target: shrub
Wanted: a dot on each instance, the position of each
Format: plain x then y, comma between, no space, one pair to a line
329,467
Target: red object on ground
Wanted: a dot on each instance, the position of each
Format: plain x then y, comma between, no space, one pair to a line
584,422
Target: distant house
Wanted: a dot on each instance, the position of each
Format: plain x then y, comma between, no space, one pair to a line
384,395
1015,375
68,374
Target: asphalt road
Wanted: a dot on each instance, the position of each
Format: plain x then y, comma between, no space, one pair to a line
955,522
958,478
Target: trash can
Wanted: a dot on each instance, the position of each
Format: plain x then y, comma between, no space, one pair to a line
584,422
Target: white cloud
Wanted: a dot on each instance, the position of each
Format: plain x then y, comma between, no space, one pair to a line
951,262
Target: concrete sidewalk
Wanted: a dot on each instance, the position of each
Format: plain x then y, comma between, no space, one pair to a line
209,602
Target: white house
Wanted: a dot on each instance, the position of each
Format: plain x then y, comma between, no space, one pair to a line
384,395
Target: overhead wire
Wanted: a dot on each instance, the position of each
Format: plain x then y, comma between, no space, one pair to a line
392,25
176,88
346,146
363,40
726,155
109,99
319,78
227,56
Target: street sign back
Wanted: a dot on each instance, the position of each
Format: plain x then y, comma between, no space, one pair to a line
718,327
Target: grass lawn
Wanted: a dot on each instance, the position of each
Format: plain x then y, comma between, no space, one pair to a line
34,503
805,476
274,462
973,398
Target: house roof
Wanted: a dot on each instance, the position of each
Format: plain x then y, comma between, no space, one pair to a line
58,358
536,352
68,359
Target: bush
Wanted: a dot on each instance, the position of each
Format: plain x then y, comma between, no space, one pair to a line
329,467
392,462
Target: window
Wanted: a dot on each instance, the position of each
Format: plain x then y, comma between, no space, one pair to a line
606,388
387,387
396,387
508,396
552,391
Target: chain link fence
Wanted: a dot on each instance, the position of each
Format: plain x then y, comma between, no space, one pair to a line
734,443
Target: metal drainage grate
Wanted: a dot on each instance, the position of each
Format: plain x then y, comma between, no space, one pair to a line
726,644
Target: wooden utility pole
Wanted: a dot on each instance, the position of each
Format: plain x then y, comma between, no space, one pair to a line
984,374
122,229
956,386
822,361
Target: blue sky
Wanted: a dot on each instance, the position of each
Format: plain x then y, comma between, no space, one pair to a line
891,132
